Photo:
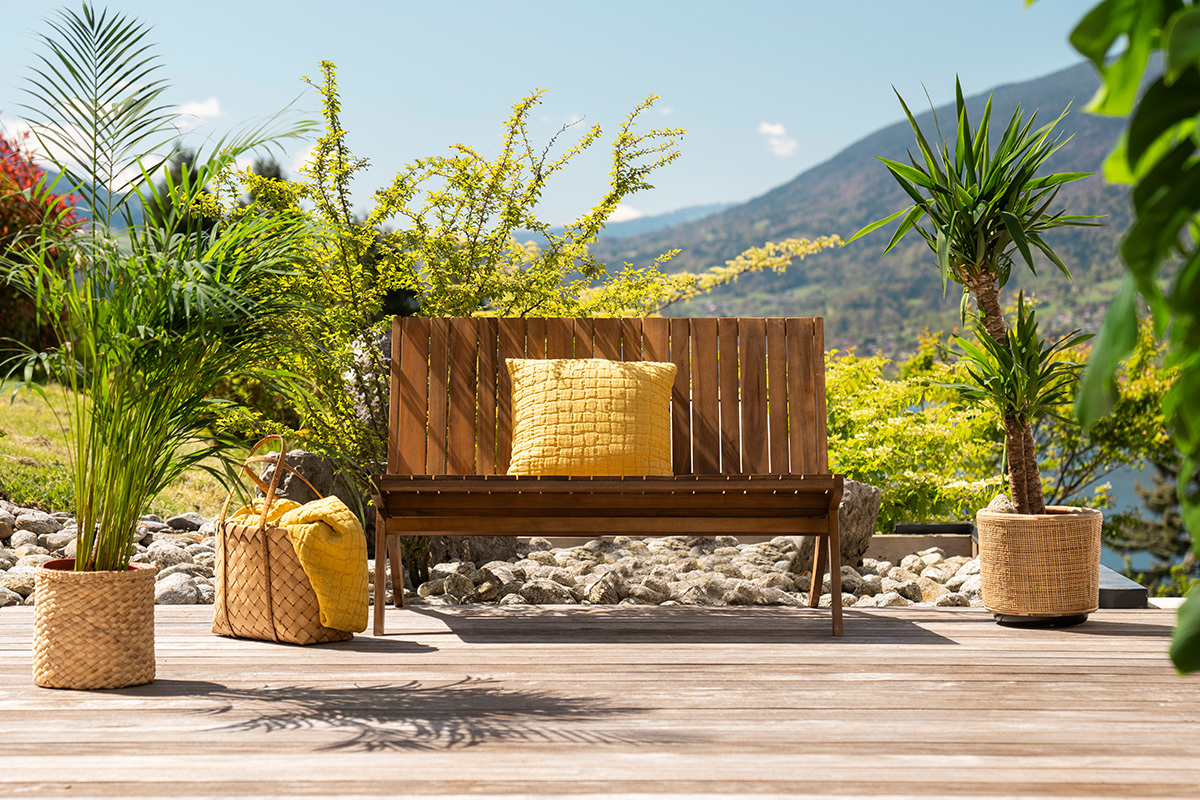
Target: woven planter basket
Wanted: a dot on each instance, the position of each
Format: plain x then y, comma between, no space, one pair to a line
1040,565
92,630
262,591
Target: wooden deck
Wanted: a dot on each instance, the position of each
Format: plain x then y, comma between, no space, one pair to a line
622,701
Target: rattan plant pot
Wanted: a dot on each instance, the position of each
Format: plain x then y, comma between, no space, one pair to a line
92,630
1040,565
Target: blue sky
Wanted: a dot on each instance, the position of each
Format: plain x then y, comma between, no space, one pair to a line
765,88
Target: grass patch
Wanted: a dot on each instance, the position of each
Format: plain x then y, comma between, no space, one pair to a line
34,458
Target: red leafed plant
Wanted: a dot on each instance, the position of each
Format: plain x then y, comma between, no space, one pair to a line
26,203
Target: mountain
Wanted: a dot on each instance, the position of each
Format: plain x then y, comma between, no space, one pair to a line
875,302
635,227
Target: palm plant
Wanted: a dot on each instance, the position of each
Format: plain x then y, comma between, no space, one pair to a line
150,323
1023,379
978,209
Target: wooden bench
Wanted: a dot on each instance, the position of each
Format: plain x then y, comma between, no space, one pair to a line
747,422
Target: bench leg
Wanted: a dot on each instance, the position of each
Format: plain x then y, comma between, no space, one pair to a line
396,557
380,559
820,551
835,572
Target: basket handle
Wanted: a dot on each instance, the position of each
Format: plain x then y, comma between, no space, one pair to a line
280,463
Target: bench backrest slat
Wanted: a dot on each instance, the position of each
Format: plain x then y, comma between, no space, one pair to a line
748,395
752,358
681,398
777,390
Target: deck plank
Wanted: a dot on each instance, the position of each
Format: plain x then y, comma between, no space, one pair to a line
622,701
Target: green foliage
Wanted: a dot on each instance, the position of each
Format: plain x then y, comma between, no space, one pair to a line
1160,155
1022,377
1133,432
150,326
934,459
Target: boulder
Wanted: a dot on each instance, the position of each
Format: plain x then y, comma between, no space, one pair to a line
8,524
164,554
457,585
57,541
856,525
931,590
18,581
952,599
544,592
38,522
10,598
191,521
910,590
890,599
23,538
476,549
176,590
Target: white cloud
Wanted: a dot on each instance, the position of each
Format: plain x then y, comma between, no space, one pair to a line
778,141
624,212
665,110
574,118
197,113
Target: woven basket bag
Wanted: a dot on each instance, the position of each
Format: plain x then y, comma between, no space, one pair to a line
1040,565
262,591
92,630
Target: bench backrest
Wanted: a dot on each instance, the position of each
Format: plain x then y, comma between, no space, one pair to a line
749,394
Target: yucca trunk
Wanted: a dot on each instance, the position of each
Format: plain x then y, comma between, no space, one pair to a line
1024,477
988,298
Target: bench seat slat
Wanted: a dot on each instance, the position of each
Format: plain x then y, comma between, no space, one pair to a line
657,525
652,484
567,505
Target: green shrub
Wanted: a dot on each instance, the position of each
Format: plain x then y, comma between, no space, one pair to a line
934,459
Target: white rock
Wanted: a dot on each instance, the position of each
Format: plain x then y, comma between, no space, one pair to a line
23,539
1001,504
178,589
38,523
890,600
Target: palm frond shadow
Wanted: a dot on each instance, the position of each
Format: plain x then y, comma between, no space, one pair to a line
415,715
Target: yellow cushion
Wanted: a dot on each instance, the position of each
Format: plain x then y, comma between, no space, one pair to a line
590,416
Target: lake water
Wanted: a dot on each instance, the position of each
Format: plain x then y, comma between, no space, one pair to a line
1126,497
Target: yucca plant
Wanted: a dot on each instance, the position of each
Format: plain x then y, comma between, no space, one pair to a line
979,209
1022,378
152,320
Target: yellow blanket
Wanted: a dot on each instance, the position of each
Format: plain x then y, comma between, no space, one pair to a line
332,549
